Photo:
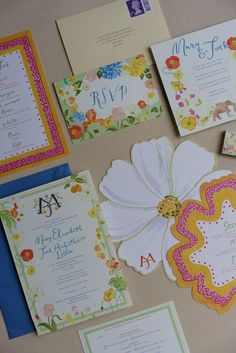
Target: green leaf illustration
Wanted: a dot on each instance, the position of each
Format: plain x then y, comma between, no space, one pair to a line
67,186
147,70
149,75
99,73
46,325
8,220
66,113
80,180
54,325
118,283
141,76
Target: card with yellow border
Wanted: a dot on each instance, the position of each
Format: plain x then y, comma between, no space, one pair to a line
30,132
205,256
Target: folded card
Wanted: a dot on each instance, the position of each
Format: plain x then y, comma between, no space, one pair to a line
198,71
64,257
29,128
156,329
108,99
112,32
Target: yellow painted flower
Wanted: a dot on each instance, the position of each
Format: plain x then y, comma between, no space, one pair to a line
16,236
98,230
92,212
151,94
189,123
234,55
144,117
135,68
74,108
72,79
178,75
60,91
69,318
71,100
101,255
178,86
108,122
109,295
31,270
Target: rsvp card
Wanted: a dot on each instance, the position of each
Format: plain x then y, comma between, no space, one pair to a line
198,71
108,99
29,128
63,254
153,330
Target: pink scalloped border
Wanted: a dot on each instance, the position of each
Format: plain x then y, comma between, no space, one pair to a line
182,229
58,146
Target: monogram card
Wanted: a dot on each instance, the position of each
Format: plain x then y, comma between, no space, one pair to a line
62,252
108,99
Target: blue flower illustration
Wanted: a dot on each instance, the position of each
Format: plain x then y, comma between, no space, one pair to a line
112,71
79,117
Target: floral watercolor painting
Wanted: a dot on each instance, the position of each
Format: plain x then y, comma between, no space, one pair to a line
198,73
68,240
229,145
108,99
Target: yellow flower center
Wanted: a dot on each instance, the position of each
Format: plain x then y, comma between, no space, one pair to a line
169,207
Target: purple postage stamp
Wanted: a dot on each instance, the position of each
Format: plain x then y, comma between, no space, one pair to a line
135,7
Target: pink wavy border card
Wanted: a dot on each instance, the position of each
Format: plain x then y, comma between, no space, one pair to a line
29,129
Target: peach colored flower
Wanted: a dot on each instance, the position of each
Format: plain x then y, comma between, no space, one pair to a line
149,84
48,310
118,113
91,76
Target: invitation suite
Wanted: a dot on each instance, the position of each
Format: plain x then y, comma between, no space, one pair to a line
198,71
205,256
29,128
153,330
109,98
112,32
63,254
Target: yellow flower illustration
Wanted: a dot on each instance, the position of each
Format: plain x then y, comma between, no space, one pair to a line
16,236
60,91
71,100
109,295
108,122
85,86
234,55
144,117
188,123
74,108
178,75
31,270
135,68
177,86
92,212
69,318
72,79
151,94
101,255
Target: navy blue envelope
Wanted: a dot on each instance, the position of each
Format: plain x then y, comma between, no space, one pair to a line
12,300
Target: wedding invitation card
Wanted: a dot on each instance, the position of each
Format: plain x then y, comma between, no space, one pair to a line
63,254
29,128
152,330
229,145
109,98
119,30
198,71
205,256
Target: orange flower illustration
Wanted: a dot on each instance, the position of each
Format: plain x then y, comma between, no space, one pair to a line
142,104
27,255
232,43
75,132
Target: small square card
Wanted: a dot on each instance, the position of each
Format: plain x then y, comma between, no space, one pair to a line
108,99
152,330
198,71
64,257
229,145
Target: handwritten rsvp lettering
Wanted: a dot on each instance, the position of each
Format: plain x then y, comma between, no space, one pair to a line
58,243
107,95
205,50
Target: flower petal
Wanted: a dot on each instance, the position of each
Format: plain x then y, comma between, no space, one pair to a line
124,186
125,222
195,192
143,252
168,241
190,163
152,160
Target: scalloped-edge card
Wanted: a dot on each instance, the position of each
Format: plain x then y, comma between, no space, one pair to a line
63,254
198,71
108,99
146,196
205,256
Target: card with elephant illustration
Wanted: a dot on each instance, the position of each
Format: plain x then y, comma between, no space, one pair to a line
198,74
